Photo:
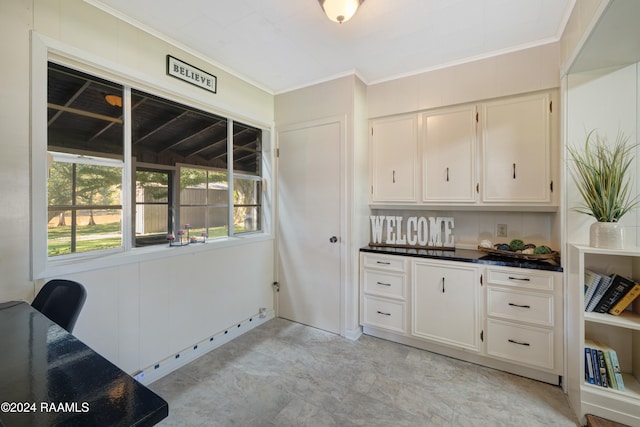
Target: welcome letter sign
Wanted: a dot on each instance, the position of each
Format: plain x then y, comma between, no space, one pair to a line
431,232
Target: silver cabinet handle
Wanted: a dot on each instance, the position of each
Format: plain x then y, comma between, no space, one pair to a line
514,171
383,284
383,262
447,174
383,313
394,177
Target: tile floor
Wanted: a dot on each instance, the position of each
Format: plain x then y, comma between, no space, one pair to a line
287,374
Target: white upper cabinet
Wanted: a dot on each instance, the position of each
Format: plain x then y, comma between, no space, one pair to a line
394,159
516,150
500,153
449,155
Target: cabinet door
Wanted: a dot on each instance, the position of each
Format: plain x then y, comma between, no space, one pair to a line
394,153
516,150
449,152
445,304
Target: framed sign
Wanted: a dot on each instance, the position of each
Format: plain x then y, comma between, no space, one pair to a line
190,74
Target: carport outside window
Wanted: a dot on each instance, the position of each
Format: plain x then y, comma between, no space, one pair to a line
179,158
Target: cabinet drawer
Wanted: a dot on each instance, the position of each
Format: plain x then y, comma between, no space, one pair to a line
390,263
522,344
524,306
384,314
520,277
384,284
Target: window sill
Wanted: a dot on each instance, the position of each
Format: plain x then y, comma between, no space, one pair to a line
143,254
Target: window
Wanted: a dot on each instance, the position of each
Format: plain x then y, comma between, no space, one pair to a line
247,164
85,153
179,161
204,202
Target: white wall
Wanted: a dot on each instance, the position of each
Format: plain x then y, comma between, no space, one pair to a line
138,311
344,96
605,100
529,70
138,314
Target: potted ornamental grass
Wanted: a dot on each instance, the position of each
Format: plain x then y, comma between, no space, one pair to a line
602,175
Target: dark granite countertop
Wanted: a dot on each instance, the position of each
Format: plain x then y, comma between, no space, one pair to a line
464,255
54,379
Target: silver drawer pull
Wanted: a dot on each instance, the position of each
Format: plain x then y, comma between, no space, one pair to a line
383,262
383,313
383,284
525,279
518,305
526,344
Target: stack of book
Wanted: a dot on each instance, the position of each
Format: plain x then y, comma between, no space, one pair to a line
601,366
608,294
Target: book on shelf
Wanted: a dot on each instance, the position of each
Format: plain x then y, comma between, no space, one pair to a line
595,366
603,286
616,370
588,366
591,281
611,377
619,286
626,300
602,366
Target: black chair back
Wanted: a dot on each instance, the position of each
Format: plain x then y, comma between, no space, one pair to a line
61,301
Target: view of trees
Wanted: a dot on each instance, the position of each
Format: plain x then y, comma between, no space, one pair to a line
72,184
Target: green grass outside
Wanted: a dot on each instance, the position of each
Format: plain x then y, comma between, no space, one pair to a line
59,240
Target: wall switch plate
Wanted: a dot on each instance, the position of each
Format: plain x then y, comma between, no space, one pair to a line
501,230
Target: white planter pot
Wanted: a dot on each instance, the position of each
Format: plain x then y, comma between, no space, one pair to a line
606,235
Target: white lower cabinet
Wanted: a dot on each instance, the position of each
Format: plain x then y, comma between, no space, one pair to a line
383,289
525,317
505,318
446,303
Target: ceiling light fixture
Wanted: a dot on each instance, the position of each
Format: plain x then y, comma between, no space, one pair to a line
340,10
113,100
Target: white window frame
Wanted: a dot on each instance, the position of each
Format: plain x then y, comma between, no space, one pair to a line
45,49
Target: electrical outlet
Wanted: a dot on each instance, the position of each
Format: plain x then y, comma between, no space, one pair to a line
501,230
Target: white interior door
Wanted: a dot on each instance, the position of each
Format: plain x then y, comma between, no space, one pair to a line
309,244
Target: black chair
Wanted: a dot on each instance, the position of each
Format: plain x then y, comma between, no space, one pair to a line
61,301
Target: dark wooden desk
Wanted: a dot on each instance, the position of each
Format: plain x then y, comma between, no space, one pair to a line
49,378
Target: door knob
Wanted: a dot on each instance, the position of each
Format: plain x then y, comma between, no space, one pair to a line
333,239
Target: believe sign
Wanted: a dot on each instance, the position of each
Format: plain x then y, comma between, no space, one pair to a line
415,232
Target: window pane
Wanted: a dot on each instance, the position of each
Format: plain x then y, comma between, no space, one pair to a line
84,113
152,214
204,201
247,149
212,221
166,133
217,222
97,185
84,208
76,231
246,219
247,195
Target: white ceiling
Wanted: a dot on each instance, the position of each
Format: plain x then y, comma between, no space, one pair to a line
281,45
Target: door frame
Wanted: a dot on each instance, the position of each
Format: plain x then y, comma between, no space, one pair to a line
345,229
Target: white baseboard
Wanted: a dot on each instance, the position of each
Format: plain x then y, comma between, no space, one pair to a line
353,334
164,367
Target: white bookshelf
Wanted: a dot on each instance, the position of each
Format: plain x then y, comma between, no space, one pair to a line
622,333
